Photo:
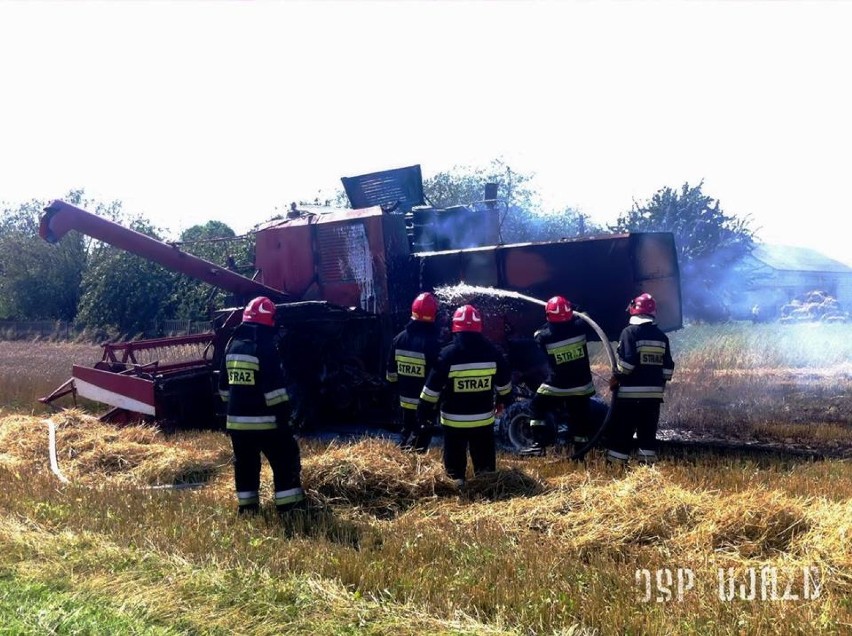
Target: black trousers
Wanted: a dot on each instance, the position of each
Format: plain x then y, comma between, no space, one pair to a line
410,436
577,409
281,451
478,440
629,416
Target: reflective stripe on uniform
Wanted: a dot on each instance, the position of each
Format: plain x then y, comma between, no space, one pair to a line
224,395
652,345
547,389
534,423
504,389
409,356
276,397
251,422
467,421
635,392
391,377
408,403
472,369
248,497
624,367
429,395
555,346
667,374
241,361
291,495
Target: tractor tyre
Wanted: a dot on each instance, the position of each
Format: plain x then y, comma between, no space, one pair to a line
514,427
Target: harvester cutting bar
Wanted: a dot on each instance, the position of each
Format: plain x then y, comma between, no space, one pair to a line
174,348
145,376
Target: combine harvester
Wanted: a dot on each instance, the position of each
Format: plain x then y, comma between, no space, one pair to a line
343,281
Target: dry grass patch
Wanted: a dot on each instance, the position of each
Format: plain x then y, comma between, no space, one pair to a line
90,452
373,476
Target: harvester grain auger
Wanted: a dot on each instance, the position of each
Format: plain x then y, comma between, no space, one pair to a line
343,281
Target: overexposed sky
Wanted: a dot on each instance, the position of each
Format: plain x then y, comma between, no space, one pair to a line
191,111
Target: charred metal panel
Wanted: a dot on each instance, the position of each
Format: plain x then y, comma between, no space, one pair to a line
459,227
599,275
395,190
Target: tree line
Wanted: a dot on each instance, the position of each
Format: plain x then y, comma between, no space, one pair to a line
104,289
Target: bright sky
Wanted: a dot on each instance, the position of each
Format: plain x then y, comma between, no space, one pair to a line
191,111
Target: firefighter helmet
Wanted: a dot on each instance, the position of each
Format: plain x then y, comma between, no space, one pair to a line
260,311
643,305
558,309
424,308
467,318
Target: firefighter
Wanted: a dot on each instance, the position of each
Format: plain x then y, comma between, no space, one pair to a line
412,355
251,381
569,382
644,365
463,383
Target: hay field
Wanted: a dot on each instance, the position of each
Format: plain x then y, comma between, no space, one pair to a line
697,545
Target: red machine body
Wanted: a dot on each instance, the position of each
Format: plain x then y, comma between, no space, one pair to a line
343,281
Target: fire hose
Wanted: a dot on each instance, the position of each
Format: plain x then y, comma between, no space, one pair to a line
579,454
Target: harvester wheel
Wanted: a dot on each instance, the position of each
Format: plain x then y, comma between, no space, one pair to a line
514,427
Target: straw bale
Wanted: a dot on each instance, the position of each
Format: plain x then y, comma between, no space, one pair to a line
374,475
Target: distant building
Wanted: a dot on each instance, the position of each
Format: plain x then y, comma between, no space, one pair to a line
773,275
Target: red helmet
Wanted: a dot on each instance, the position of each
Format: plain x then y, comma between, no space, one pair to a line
644,305
424,308
261,311
467,318
558,309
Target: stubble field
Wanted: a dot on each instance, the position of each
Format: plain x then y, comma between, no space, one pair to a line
702,543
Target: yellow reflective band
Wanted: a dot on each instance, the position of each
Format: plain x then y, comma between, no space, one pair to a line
411,359
241,426
242,364
429,398
447,420
472,373
546,389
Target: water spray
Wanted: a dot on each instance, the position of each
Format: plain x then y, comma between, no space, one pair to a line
455,294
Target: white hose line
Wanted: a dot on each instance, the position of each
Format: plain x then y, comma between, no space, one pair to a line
613,364
54,465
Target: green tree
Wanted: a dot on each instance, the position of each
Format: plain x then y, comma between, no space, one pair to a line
708,242
123,292
39,280
216,242
700,227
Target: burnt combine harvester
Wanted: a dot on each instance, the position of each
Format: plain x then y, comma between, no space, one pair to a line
343,281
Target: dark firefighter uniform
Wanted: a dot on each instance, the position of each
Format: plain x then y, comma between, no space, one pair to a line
468,373
412,356
568,383
252,383
645,364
